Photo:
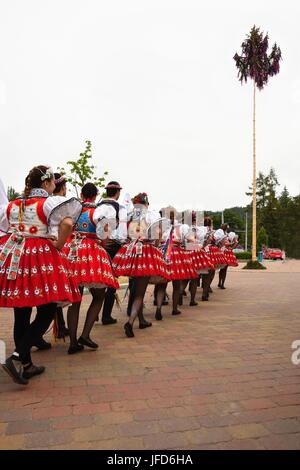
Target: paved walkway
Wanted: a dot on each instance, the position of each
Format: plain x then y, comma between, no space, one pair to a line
219,376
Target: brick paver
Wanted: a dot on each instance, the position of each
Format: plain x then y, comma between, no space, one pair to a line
219,376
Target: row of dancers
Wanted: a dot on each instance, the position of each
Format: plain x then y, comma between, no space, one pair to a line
52,247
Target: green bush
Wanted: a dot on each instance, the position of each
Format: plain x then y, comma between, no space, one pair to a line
254,265
243,255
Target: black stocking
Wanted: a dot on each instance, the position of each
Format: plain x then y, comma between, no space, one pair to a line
193,289
160,295
176,295
72,319
206,282
212,275
93,310
222,276
183,285
140,284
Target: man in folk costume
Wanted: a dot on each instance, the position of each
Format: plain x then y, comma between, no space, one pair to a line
60,190
113,232
34,271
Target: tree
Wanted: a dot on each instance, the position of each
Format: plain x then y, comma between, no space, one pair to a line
265,189
254,63
82,170
284,198
12,194
262,238
268,205
235,222
288,222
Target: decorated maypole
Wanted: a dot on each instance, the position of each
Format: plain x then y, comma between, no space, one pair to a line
255,63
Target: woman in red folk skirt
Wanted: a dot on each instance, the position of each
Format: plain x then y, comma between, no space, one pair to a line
200,260
213,239
140,259
91,267
34,271
230,243
179,263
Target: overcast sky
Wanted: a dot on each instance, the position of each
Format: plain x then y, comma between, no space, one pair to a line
153,85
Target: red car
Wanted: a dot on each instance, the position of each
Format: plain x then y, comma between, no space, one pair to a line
274,253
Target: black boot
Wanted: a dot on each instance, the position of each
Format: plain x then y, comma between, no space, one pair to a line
42,345
32,370
87,342
128,330
176,312
158,315
14,371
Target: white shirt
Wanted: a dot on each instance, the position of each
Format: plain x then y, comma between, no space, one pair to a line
106,214
55,209
180,232
142,224
3,204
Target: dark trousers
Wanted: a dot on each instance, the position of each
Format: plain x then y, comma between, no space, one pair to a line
109,301
27,334
60,318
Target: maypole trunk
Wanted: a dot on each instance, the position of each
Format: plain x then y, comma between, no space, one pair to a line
254,178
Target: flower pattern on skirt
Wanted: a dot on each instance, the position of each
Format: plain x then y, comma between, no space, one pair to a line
43,276
133,261
217,256
180,266
230,257
92,267
201,261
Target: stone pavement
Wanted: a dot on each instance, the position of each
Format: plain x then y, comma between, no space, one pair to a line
219,376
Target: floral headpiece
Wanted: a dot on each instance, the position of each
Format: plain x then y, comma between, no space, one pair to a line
141,198
48,175
60,180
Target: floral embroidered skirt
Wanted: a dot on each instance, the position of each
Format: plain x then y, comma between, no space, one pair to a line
201,261
91,266
140,260
230,257
41,275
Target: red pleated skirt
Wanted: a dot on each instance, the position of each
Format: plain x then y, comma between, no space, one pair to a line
133,261
92,266
43,276
201,261
230,257
180,266
217,256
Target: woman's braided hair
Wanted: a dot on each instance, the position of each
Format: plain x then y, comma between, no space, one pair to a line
32,180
